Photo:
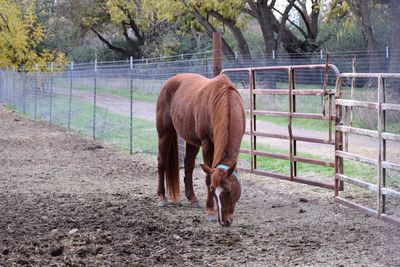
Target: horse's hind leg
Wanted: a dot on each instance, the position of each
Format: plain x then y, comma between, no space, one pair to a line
163,147
190,159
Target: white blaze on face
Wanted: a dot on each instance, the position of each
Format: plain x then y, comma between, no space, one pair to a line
218,192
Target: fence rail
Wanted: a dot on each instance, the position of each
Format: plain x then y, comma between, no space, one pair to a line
380,186
253,91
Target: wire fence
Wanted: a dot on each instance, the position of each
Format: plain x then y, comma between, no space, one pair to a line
115,101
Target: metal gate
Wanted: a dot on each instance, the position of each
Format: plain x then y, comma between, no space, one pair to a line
291,92
343,127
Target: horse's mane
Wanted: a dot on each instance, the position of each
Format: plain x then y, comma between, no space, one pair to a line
221,115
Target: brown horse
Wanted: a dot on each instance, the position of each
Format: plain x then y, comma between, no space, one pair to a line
206,113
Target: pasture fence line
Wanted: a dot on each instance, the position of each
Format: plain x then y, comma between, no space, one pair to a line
62,94
59,94
386,186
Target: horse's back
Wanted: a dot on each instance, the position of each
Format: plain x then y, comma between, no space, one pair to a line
185,81
175,95
186,104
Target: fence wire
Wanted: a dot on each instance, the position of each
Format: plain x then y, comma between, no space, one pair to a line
115,101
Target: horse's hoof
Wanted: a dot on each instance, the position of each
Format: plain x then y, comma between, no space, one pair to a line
195,205
162,203
211,218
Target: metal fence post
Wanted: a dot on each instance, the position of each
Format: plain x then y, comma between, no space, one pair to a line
387,61
51,93
24,90
321,58
94,98
290,117
35,88
70,96
3,85
131,107
14,94
251,98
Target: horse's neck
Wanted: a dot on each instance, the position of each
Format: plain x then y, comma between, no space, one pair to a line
231,150
234,137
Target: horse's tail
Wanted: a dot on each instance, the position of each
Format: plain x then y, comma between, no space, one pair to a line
172,168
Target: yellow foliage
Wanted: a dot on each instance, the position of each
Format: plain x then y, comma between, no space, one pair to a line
20,36
172,9
119,10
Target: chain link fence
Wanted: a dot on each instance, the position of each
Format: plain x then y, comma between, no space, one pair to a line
116,101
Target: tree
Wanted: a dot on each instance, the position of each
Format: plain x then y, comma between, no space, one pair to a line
362,12
117,20
21,36
276,26
394,7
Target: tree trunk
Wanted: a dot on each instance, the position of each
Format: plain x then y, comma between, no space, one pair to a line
111,46
368,34
362,12
209,29
394,85
236,32
395,36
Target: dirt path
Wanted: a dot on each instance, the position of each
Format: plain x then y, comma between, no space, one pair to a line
69,200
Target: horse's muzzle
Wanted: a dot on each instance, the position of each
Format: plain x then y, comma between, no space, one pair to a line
226,223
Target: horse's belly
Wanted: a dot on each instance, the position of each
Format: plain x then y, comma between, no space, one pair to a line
184,124
186,131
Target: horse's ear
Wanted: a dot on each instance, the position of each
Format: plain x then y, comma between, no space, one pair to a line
206,169
231,169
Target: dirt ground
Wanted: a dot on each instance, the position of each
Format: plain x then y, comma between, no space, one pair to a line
67,200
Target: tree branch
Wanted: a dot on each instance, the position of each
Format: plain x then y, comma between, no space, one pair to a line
292,23
109,44
305,18
228,51
132,24
272,4
237,33
285,17
5,22
125,32
248,11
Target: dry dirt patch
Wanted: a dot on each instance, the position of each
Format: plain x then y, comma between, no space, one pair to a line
69,200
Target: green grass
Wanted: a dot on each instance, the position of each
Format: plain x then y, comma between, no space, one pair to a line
316,125
353,169
111,127
282,166
122,91
308,104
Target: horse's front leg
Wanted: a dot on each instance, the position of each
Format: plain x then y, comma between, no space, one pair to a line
208,152
211,215
190,160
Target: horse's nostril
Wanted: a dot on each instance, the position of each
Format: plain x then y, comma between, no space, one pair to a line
228,223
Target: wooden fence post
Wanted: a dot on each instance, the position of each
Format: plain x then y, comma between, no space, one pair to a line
217,50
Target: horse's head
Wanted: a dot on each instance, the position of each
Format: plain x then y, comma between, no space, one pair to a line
226,189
